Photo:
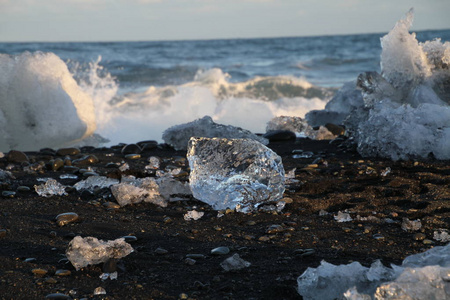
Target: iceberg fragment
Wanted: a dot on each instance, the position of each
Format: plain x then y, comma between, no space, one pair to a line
234,263
178,136
91,251
131,191
50,188
421,276
234,173
93,182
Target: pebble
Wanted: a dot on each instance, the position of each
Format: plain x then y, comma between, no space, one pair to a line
8,194
51,280
23,188
304,252
56,164
161,251
195,256
264,238
40,272
248,237
287,200
16,156
133,156
183,296
274,229
190,261
66,218
68,151
86,160
220,251
2,233
131,149
30,259
130,238
280,135
378,236
63,272
427,242
251,223
57,296
89,174
419,236
111,205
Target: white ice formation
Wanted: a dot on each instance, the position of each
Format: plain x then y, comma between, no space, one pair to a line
234,173
234,263
157,191
41,105
405,112
93,182
51,187
91,251
178,136
422,276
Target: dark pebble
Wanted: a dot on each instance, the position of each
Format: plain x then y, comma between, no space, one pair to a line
47,151
17,156
130,238
89,174
133,156
86,160
57,164
68,151
66,218
335,129
131,149
71,169
280,135
2,233
23,188
8,194
57,296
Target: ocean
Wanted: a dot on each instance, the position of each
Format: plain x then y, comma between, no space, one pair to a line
139,89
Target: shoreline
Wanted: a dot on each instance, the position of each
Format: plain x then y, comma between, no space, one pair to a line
334,179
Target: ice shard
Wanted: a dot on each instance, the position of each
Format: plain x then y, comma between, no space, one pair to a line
50,188
178,136
234,173
91,251
94,182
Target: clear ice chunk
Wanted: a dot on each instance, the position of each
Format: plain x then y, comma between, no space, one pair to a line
193,215
234,263
294,124
410,225
421,276
94,182
131,191
178,136
91,251
50,188
441,235
343,217
234,173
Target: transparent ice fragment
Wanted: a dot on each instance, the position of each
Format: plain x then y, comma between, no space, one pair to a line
138,190
294,124
234,263
91,251
124,167
441,235
329,282
50,188
112,276
409,225
99,291
93,182
68,176
439,255
153,162
178,136
343,217
169,186
234,173
193,215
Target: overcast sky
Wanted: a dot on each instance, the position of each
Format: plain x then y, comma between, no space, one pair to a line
119,20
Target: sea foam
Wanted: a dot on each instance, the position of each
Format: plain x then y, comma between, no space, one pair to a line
41,104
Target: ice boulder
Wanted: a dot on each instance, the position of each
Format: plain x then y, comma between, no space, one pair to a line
91,251
178,136
41,105
421,276
234,173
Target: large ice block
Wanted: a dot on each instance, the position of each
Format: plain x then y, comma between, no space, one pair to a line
234,173
179,135
91,251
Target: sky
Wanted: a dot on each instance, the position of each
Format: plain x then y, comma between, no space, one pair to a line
142,20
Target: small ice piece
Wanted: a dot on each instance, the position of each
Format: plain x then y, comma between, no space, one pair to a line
417,283
295,124
93,182
50,188
112,276
385,172
124,167
169,186
409,225
234,263
343,217
91,251
234,173
441,235
329,282
153,162
178,136
138,190
68,176
193,215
